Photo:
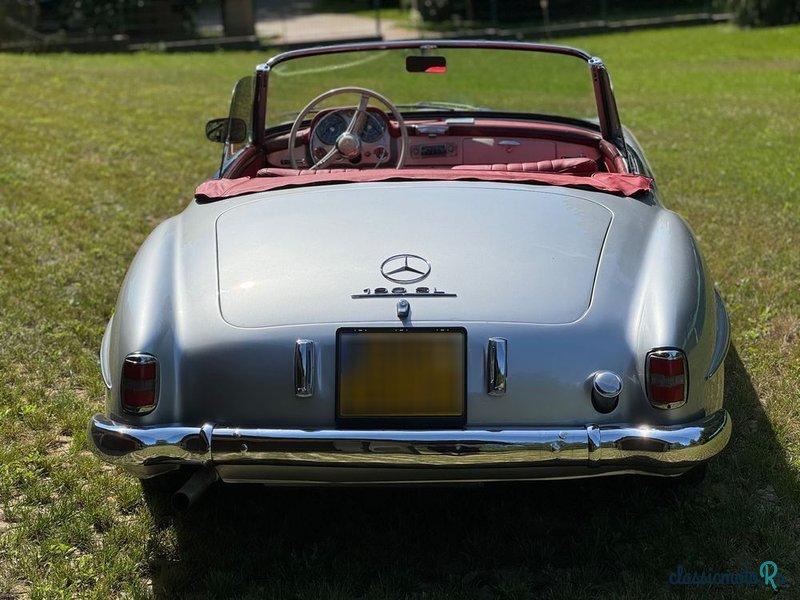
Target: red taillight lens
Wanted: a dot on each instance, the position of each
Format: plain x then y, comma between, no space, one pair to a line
139,383
667,378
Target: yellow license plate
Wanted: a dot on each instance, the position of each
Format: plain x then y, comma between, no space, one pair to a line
387,373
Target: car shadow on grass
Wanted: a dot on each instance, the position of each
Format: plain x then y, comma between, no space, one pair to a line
615,536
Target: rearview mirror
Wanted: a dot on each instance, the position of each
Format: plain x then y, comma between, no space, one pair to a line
426,64
226,130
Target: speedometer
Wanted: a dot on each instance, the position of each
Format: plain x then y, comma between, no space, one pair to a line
330,128
373,129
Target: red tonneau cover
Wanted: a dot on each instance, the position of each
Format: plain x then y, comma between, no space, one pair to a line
615,183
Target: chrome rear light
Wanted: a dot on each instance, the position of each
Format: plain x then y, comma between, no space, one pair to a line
667,376
139,383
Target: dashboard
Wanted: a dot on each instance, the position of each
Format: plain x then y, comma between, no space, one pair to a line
435,142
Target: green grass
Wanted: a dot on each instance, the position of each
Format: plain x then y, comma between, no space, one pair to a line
95,150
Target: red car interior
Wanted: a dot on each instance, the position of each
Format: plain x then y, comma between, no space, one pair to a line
481,150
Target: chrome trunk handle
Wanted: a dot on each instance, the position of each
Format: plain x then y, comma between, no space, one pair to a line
304,368
497,366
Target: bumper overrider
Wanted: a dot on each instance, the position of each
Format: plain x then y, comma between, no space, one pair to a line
342,456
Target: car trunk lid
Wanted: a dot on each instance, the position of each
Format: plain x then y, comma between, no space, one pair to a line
499,252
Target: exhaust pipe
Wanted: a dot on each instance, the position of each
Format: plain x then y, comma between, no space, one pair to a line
194,488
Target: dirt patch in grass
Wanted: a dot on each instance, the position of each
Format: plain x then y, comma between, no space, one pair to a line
786,329
60,445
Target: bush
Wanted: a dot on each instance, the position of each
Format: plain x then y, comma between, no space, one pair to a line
136,18
16,20
515,11
759,13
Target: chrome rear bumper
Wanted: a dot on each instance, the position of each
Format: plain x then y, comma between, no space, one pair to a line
485,454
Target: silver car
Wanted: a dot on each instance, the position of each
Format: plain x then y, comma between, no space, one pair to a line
422,261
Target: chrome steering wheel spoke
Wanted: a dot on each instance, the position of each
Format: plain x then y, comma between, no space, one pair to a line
356,125
325,160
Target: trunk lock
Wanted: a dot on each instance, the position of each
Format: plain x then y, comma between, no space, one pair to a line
403,309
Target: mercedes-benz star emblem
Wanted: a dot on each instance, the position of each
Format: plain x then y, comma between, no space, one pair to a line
405,268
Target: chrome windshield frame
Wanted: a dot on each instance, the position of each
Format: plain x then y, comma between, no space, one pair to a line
608,115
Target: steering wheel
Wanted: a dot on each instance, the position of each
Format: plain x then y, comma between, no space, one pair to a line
348,144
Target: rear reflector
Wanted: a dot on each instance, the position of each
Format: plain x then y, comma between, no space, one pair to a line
139,383
667,378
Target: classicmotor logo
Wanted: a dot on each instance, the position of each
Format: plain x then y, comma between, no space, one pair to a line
766,574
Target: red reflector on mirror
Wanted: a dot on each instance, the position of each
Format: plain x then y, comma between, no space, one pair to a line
426,64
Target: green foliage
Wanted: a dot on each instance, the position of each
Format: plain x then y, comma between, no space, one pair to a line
516,11
759,13
17,19
138,18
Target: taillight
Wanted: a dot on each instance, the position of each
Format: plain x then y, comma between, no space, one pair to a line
667,378
139,383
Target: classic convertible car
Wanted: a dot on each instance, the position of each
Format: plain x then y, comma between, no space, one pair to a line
418,262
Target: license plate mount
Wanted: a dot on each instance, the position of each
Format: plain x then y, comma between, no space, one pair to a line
401,377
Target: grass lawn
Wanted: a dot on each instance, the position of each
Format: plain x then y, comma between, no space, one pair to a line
96,150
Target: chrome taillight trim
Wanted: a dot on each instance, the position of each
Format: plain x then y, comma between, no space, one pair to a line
672,354
139,358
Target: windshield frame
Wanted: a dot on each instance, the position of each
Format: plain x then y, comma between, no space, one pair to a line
607,113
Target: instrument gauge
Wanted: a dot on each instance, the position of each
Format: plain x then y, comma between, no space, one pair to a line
330,128
374,129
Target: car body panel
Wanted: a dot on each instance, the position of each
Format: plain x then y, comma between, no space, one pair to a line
648,276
